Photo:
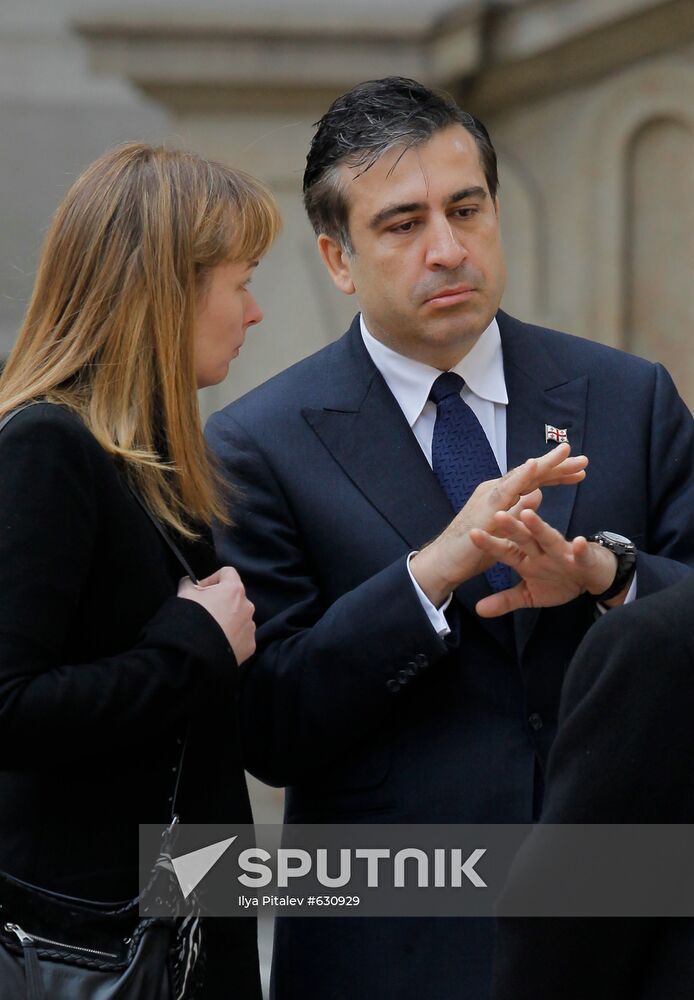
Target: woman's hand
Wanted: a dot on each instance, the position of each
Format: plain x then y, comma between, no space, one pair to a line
224,597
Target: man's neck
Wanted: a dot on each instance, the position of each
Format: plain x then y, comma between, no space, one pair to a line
443,357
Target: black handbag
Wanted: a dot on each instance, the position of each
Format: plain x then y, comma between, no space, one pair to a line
55,947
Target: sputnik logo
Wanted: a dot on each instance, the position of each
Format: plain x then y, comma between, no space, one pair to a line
190,869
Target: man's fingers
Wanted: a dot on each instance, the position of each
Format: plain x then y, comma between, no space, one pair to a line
554,468
566,478
569,471
572,464
555,455
549,539
502,602
508,527
558,460
500,549
582,554
518,483
530,501
567,464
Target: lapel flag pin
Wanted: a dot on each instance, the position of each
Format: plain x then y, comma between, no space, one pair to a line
557,434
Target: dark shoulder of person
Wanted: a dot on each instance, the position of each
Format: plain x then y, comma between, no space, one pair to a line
47,429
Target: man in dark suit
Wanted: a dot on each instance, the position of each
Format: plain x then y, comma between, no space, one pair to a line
377,693
623,754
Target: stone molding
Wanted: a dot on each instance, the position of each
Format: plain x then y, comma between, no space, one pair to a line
494,55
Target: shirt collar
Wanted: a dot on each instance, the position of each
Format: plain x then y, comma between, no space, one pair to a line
410,381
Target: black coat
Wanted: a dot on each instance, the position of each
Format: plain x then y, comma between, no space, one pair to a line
352,700
102,670
624,754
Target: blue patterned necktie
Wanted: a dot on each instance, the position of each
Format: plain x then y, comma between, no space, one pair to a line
462,457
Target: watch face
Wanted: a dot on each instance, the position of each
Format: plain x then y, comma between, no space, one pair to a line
612,536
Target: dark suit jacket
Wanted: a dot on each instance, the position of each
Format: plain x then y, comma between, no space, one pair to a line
352,700
624,753
102,669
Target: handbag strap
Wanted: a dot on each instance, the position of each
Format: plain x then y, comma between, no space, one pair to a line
13,413
168,541
189,572
4,421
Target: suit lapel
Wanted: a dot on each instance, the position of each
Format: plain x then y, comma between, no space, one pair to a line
367,434
539,393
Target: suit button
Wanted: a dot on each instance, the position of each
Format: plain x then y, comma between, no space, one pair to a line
393,685
404,676
535,722
421,660
412,668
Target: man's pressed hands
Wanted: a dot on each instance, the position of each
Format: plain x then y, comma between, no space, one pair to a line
552,569
452,558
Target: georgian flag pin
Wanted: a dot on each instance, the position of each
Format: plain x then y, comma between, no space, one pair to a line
556,434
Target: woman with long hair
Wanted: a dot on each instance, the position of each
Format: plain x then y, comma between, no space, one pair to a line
109,665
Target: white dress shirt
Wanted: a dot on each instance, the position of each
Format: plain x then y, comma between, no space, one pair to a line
482,370
410,382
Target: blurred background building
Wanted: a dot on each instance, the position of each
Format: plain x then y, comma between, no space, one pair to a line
590,104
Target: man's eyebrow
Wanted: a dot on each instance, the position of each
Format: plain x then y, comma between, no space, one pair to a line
390,211
468,192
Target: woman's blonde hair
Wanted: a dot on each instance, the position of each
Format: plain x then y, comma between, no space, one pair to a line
109,328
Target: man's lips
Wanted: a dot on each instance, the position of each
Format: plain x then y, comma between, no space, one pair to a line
449,296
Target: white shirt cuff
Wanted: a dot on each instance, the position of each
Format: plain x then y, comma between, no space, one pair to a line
435,615
631,596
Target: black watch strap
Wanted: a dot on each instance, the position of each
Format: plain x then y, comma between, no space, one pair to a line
625,553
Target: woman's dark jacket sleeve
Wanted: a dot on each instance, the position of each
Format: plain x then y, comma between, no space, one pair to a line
64,519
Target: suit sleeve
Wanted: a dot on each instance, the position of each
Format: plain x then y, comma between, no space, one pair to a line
622,755
668,554
322,677
49,520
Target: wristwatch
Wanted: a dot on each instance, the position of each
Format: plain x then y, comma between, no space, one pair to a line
625,551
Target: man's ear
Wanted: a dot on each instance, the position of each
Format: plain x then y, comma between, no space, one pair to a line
337,262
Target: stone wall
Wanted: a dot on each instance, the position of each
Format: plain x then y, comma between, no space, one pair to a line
589,104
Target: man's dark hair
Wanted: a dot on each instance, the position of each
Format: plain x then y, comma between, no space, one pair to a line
363,124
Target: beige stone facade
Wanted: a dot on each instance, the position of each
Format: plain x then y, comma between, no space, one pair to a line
590,104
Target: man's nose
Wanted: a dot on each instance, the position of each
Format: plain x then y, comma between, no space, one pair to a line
444,248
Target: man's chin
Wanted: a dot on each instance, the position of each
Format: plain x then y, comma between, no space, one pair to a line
459,327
